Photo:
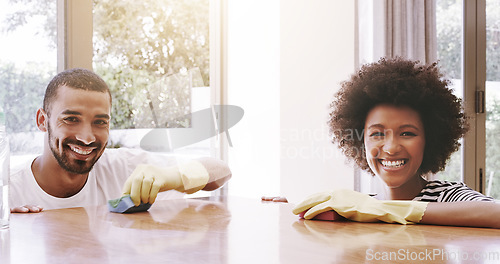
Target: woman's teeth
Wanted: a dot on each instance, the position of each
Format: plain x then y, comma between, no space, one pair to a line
393,164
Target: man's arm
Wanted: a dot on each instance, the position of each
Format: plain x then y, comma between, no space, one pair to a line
218,173
473,214
202,174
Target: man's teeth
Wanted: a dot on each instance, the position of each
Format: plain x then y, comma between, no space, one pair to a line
394,163
81,151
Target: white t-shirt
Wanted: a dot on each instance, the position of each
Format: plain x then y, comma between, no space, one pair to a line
105,181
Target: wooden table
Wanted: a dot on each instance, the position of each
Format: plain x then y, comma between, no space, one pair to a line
232,230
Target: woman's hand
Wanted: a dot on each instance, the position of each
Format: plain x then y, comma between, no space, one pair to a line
326,216
276,199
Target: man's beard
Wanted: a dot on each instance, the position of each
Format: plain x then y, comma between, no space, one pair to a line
78,166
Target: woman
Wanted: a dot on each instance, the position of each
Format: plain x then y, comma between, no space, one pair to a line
411,123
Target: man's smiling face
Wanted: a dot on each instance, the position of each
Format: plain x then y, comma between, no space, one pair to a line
78,128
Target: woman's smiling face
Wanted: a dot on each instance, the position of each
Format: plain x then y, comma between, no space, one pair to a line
394,142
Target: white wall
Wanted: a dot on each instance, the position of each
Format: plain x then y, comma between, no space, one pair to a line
285,61
253,84
317,53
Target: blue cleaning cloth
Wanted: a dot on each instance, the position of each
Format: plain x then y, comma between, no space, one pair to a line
124,204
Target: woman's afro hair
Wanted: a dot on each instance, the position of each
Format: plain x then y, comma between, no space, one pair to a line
399,82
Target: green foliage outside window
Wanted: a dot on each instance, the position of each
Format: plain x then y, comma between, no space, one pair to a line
143,49
151,53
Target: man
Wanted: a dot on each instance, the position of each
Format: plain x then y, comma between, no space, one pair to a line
75,168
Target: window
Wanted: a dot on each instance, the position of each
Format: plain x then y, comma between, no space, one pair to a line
449,23
28,60
156,56
492,92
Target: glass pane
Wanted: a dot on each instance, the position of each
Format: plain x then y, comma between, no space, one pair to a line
155,57
493,98
28,60
449,39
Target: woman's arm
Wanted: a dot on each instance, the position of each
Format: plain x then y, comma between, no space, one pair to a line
473,214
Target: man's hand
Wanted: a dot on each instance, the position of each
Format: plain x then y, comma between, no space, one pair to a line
147,180
26,209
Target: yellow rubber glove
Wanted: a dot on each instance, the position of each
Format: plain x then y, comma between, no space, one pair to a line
361,207
147,180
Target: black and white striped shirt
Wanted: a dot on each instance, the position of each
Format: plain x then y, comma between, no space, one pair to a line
445,191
